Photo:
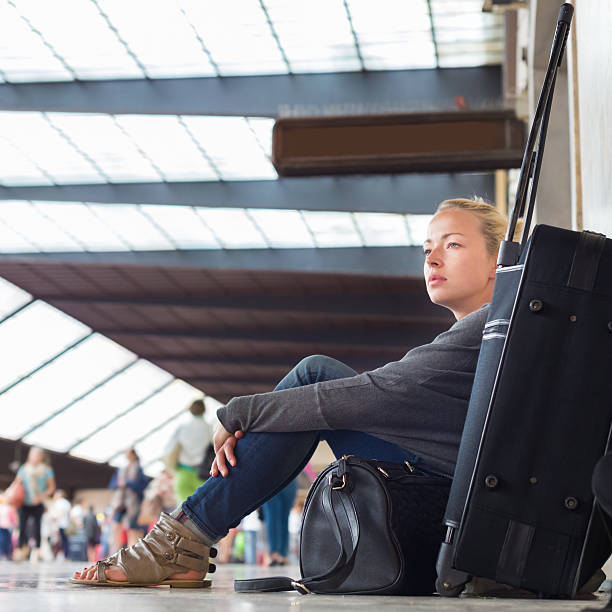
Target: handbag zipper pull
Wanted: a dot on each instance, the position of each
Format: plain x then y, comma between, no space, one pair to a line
409,466
383,472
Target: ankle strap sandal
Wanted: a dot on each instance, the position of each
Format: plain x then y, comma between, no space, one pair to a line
169,548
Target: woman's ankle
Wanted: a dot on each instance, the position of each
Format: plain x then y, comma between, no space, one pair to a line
182,517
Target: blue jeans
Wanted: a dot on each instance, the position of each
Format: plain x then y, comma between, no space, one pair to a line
250,547
267,462
5,543
276,515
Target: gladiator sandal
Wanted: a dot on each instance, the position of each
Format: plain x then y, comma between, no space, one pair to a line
169,548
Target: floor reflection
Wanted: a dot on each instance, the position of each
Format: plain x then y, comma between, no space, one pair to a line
26,587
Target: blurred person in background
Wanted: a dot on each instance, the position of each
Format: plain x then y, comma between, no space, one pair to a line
92,533
129,483
60,513
185,451
295,527
77,512
276,516
8,522
38,479
251,525
159,496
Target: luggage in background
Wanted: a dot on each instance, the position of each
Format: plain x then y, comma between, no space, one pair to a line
77,546
521,510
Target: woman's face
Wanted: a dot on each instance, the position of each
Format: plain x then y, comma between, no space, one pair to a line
35,456
459,271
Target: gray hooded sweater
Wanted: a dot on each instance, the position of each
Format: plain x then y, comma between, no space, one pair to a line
419,402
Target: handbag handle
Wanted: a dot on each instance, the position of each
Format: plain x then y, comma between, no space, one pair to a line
347,546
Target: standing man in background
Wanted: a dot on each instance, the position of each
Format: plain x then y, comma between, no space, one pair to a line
60,511
185,451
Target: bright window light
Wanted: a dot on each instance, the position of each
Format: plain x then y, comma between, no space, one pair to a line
388,16
92,50
237,35
382,229
450,35
35,138
153,469
399,56
393,34
134,228
165,141
59,383
333,48
100,407
417,228
183,225
23,54
125,430
101,139
148,227
33,336
282,228
472,59
459,21
78,221
232,146
154,445
160,36
233,228
12,242
466,47
16,168
456,6
117,39
262,128
27,221
11,298
333,229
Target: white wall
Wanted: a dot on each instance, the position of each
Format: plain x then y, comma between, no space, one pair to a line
593,24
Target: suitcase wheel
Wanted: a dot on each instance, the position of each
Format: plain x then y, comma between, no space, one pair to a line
445,590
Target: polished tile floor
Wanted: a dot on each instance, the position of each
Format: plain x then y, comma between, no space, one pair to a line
26,587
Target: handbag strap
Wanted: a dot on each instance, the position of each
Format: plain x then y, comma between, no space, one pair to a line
347,547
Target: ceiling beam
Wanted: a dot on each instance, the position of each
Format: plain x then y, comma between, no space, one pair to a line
401,305
375,261
388,336
263,96
400,193
181,365
267,381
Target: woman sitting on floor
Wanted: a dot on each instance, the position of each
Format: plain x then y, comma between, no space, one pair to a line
408,410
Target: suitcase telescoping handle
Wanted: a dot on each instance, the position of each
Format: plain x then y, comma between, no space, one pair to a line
510,251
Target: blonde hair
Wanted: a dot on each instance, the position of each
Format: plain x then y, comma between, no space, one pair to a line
493,224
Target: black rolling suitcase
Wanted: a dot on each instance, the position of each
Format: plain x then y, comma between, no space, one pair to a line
521,511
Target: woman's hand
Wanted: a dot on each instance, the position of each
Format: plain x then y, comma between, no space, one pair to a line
224,443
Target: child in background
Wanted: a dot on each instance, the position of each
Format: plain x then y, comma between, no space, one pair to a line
8,522
251,526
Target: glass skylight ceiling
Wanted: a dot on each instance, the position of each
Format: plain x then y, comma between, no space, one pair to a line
45,227
177,38
61,384
55,148
48,369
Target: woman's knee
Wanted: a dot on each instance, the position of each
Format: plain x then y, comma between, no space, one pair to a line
315,368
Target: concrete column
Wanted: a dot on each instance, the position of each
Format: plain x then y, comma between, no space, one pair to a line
553,203
593,79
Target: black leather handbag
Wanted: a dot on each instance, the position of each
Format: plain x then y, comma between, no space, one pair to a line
369,528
